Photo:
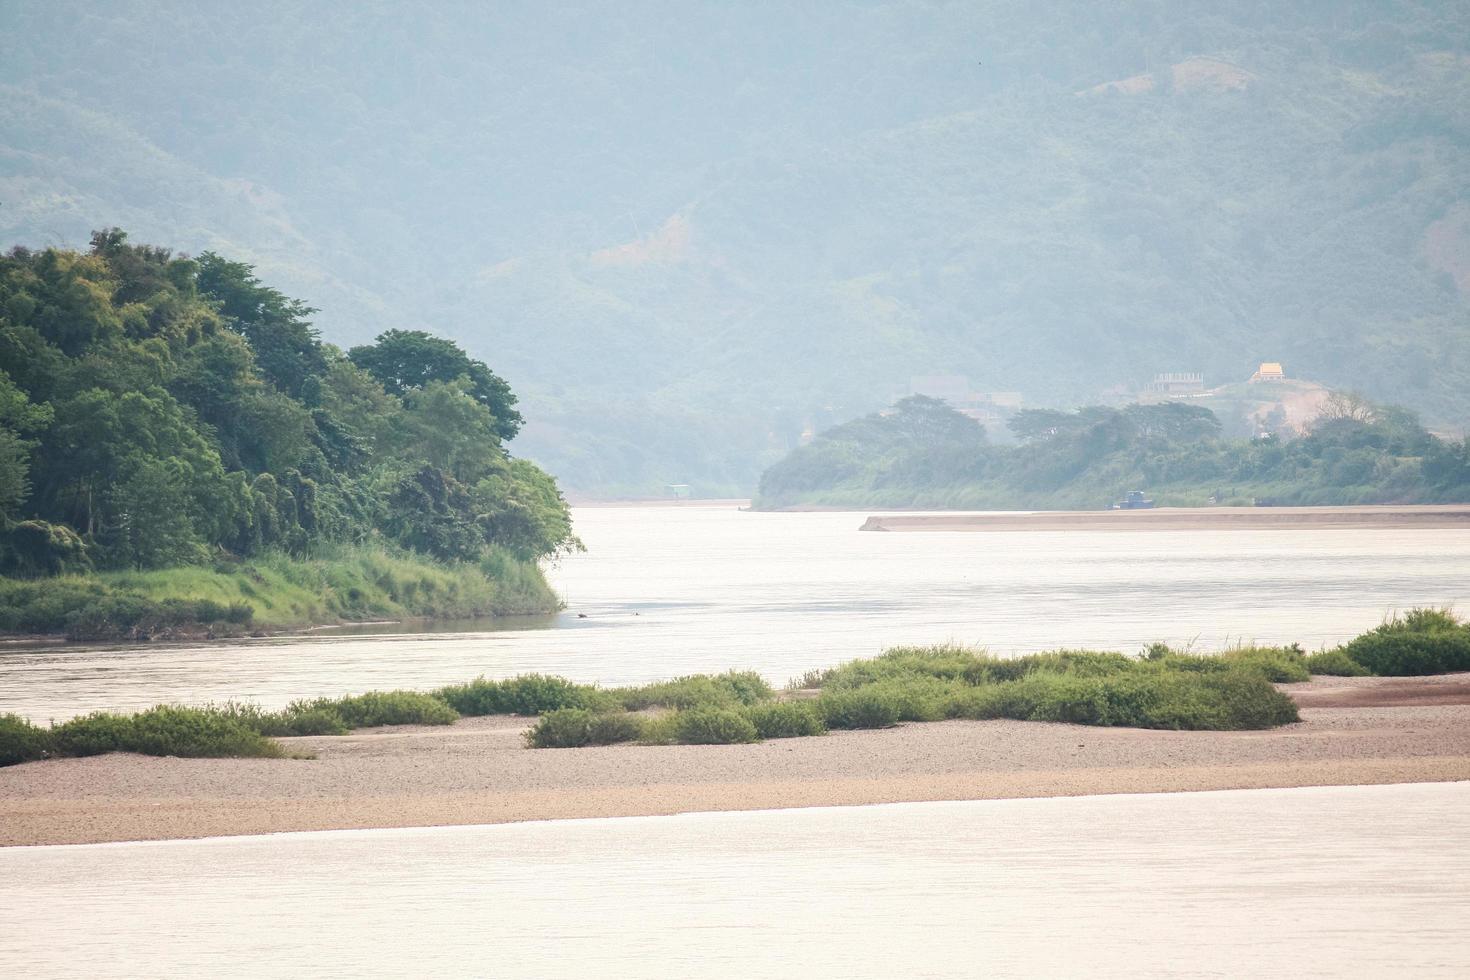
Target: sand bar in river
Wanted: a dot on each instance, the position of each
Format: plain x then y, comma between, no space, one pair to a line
1355,731
1430,516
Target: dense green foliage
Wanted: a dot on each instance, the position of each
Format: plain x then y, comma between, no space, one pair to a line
165,730
925,454
160,411
1423,641
724,238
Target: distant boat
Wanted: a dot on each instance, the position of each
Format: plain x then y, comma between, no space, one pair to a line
1134,500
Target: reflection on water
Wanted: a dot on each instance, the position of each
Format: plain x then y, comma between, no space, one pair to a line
672,590
1345,881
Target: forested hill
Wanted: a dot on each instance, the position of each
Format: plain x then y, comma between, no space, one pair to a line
922,453
686,232
158,410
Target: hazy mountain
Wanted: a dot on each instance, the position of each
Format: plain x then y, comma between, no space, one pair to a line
685,231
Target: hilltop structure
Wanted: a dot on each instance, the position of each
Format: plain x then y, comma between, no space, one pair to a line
1269,371
1178,384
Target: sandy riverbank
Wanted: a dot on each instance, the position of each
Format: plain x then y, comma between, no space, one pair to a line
477,772
1187,519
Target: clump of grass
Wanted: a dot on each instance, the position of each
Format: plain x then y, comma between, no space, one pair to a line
714,726
94,734
528,694
563,728
1422,641
1335,663
785,719
1152,699
874,706
730,689
20,741
381,708
165,730
611,728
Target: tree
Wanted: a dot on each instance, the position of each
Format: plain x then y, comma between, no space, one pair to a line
1172,423
445,426
278,328
18,418
403,360
1037,424
521,509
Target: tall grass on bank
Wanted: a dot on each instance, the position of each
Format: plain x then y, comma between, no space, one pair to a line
273,590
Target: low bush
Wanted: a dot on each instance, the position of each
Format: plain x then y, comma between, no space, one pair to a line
1335,663
20,741
164,730
1423,641
195,733
1280,665
564,728
874,706
713,726
528,694
1215,700
303,720
785,719
382,708
94,734
730,689
611,728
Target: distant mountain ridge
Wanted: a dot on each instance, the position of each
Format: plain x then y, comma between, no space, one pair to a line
686,233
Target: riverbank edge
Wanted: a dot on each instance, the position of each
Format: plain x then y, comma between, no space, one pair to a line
1378,517
33,823
1355,731
271,595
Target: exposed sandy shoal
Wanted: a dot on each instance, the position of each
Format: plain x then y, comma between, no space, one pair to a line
477,772
1187,519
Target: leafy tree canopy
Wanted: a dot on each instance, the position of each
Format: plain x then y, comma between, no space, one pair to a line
405,360
160,410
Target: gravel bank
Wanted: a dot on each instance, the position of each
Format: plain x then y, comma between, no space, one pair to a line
477,772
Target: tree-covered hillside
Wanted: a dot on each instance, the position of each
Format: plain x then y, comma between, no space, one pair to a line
158,410
685,232
923,454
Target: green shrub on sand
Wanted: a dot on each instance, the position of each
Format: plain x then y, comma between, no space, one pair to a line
785,719
1422,641
20,741
1335,663
714,726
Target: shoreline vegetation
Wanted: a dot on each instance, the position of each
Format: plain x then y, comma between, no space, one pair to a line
272,592
922,454
1161,689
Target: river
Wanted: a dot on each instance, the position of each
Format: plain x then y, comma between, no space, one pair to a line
1330,882
676,589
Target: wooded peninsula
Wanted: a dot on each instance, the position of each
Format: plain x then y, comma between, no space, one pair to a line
180,450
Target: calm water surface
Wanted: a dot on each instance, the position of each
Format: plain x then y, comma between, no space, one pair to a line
668,590
1338,882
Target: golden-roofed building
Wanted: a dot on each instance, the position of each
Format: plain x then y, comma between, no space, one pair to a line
1269,371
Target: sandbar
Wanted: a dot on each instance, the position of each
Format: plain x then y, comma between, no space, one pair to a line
1387,517
1354,731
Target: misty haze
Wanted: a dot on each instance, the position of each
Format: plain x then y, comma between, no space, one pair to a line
893,488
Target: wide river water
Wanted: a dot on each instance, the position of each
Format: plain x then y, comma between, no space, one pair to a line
677,589
1333,882
1347,881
